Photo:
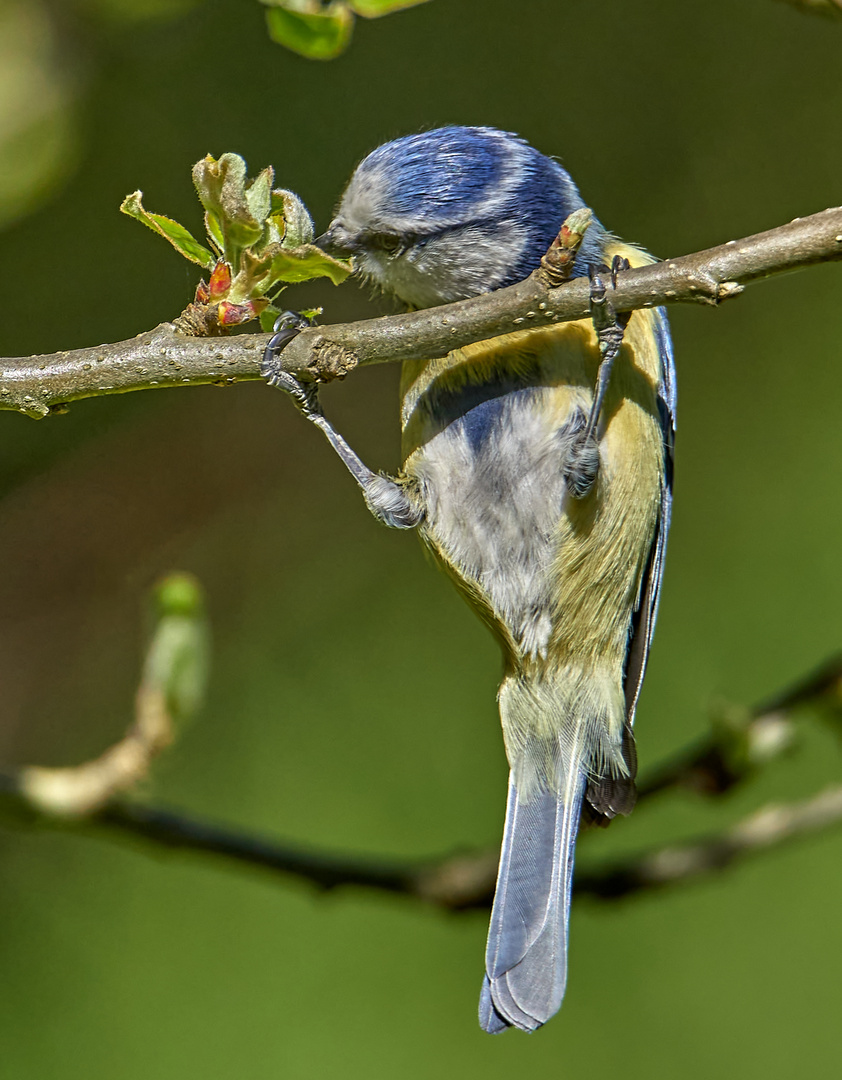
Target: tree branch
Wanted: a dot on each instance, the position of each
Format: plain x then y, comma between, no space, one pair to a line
741,741
769,827
39,385
456,882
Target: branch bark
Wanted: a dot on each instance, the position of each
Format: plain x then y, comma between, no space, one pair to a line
39,385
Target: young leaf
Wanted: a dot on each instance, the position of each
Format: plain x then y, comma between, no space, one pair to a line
221,186
220,281
236,314
213,230
176,661
305,262
177,235
320,34
298,225
259,195
372,9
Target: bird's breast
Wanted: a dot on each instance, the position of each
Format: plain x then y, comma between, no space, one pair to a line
486,433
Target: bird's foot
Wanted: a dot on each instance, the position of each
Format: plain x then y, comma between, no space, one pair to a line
610,328
289,325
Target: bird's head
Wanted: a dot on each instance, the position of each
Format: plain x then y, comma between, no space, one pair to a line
452,213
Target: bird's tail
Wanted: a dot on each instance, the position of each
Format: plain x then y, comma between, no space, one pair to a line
526,956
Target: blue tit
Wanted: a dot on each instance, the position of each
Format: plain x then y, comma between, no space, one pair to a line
540,479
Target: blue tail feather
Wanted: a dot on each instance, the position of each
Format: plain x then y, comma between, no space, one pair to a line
526,957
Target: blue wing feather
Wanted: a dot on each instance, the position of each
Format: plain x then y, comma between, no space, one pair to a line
643,626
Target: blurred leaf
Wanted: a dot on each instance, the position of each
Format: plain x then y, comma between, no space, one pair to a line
831,8
373,9
176,662
178,236
139,10
38,130
316,33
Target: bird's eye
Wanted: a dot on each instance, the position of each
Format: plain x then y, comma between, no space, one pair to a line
391,243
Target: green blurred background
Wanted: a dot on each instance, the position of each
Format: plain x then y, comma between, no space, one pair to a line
352,696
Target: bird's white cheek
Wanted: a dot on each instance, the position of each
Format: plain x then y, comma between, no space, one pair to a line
413,284
372,267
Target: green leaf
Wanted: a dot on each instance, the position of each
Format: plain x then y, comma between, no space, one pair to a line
259,195
829,8
373,9
213,230
178,594
176,661
186,244
267,318
317,35
221,186
305,262
298,225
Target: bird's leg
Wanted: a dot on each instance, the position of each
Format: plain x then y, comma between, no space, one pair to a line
582,463
384,497
610,328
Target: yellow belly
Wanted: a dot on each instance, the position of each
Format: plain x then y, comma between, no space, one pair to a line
556,578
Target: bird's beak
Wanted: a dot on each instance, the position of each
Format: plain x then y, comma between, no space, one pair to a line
331,244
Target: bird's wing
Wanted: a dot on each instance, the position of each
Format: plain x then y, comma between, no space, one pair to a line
643,625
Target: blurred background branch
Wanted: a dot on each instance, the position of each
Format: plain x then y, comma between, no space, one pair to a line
170,691
453,882
828,8
740,743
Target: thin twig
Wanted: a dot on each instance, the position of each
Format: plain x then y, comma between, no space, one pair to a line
38,385
83,790
87,799
171,686
742,740
456,882
767,828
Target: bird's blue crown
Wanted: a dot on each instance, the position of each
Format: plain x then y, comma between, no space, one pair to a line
466,209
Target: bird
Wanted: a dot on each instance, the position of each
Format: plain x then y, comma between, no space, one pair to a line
537,469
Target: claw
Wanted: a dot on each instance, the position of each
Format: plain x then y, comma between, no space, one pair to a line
597,290
610,328
292,320
618,264
305,395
